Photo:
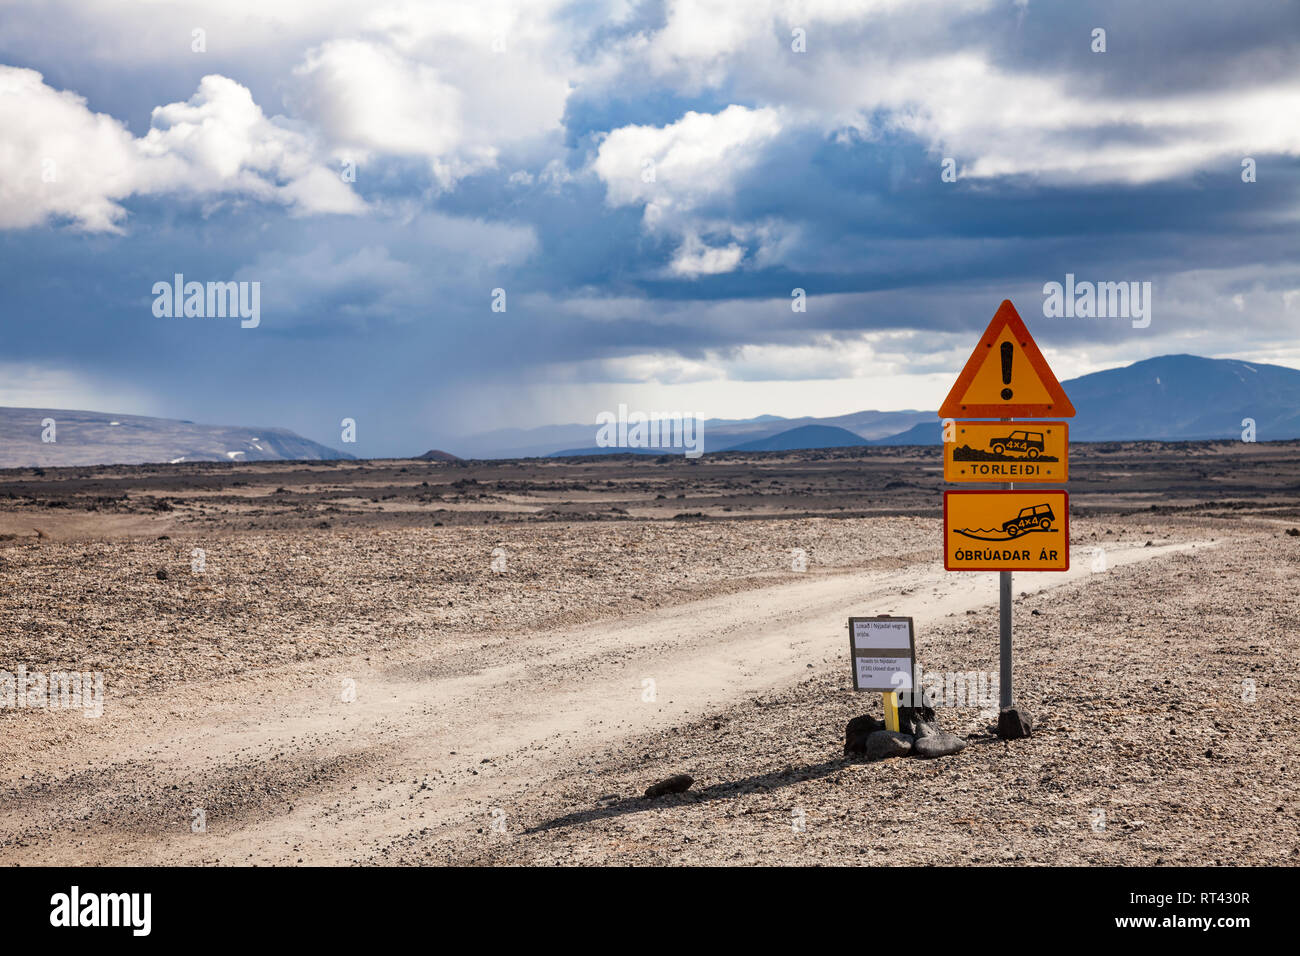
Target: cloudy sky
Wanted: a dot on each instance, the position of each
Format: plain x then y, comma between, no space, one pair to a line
646,181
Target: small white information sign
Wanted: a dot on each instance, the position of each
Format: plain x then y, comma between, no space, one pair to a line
883,650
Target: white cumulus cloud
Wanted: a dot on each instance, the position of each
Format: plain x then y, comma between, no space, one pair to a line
673,170
368,98
681,165
60,161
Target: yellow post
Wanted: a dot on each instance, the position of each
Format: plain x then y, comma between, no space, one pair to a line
890,700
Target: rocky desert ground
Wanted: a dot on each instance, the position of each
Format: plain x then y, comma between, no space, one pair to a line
409,662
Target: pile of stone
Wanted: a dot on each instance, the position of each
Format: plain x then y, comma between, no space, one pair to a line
918,736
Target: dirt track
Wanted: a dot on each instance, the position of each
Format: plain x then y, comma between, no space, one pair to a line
501,716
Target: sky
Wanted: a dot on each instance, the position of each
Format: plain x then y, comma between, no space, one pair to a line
463,216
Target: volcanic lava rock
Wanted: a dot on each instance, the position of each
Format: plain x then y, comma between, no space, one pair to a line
917,721
884,744
856,732
675,784
939,744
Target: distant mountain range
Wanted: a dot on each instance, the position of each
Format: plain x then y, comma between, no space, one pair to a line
97,438
1186,397
805,436
719,434
1168,398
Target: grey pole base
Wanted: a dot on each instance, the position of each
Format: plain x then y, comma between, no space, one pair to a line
1014,723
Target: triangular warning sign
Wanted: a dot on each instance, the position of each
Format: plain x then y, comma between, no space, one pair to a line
1006,376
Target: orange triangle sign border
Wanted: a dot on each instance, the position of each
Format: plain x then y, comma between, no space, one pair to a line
970,396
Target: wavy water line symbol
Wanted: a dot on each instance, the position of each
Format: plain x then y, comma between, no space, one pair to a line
980,534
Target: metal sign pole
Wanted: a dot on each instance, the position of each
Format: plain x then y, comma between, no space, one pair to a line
1004,622
1012,722
1004,678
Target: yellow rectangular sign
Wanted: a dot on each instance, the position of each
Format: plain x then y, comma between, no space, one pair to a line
1006,451
1006,530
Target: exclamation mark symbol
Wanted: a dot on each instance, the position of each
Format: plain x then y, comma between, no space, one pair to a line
1007,350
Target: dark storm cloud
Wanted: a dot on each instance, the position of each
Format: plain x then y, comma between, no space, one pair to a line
1155,48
